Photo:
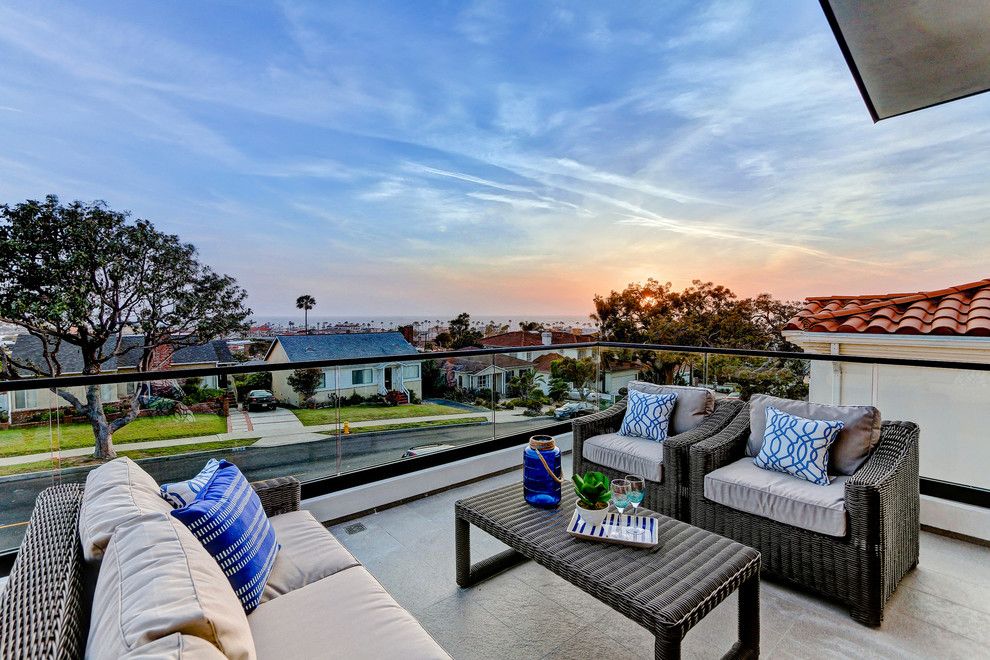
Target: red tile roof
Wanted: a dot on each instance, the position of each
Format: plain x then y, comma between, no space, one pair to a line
544,361
533,338
957,310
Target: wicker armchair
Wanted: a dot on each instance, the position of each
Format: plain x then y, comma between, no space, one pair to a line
42,609
670,495
882,503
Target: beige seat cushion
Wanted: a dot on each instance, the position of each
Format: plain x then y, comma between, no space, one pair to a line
116,492
693,404
781,497
309,553
347,615
856,440
626,454
157,579
176,647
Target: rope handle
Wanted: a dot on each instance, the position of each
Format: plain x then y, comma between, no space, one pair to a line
559,479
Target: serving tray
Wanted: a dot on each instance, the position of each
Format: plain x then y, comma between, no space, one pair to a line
616,528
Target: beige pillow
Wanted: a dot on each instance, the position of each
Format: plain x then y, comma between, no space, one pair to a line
693,404
859,435
116,492
157,579
176,647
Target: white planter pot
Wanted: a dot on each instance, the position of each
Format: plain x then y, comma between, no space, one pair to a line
593,517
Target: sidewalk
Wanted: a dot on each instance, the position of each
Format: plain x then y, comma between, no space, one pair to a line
279,431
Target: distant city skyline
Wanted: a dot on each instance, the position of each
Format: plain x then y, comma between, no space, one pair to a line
518,157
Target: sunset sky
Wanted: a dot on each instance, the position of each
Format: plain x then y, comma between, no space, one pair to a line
500,158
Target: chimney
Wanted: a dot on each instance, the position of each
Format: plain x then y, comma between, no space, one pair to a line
547,337
161,357
407,332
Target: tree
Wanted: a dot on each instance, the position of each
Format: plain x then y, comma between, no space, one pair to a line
459,333
703,314
530,326
305,382
524,386
305,303
558,389
578,372
82,276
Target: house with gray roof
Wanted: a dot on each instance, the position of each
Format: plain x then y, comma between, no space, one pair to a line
28,349
383,374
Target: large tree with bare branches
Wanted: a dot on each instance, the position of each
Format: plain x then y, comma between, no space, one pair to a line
84,276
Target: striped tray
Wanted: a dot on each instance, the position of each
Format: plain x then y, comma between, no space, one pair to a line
616,528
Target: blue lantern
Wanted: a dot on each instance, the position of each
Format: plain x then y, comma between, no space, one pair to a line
542,474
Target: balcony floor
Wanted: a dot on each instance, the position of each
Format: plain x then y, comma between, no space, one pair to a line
942,609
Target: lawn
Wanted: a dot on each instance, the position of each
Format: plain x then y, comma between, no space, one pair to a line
84,461
412,425
370,411
37,439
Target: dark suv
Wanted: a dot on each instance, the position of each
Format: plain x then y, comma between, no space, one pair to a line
260,400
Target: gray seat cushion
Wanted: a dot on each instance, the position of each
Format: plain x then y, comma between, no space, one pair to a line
309,553
626,454
781,497
856,440
693,404
345,615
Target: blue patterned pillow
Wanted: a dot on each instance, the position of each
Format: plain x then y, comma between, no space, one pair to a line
182,493
648,415
228,519
797,446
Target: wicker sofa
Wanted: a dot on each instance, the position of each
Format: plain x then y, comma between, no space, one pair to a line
667,486
322,590
879,508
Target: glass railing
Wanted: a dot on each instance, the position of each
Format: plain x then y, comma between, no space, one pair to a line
343,422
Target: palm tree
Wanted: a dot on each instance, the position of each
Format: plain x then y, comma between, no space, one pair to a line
306,303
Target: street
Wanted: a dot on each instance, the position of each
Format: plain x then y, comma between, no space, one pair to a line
305,461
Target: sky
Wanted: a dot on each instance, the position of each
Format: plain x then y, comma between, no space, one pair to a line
499,158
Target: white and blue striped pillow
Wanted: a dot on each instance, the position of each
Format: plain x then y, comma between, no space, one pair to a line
797,446
182,493
648,415
228,519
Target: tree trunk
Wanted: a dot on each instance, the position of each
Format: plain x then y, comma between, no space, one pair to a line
103,449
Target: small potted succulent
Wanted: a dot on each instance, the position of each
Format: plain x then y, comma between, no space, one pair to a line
594,493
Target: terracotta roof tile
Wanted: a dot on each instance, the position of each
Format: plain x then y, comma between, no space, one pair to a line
956,310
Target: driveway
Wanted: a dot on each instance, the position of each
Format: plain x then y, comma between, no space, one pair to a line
272,422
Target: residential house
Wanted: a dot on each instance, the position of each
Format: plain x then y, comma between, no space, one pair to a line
484,372
947,324
380,377
28,349
536,339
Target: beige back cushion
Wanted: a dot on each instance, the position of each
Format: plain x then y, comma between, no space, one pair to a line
116,492
176,647
692,406
157,579
856,440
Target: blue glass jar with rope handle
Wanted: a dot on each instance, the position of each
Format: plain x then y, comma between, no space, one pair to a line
542,474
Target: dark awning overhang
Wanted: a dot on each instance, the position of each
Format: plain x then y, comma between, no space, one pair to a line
911,54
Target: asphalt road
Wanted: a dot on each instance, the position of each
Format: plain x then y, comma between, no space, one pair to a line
305,461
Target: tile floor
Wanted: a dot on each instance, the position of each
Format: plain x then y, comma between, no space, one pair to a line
941,610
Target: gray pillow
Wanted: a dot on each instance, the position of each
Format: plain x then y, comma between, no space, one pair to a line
856,440
693,404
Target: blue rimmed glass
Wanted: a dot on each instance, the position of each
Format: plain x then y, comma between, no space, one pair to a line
637,491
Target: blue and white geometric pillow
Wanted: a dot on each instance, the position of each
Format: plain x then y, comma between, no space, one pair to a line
648,415
182,493
798,446
228,519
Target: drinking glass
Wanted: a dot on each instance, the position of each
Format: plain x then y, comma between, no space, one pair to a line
620,497
637,490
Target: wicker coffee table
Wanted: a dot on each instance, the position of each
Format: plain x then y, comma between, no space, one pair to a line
667,589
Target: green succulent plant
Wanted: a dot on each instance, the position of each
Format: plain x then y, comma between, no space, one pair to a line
593,490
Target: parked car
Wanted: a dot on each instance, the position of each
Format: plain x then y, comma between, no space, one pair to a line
260,400
574,409
423,450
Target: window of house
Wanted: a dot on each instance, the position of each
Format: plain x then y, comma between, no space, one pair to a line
322,383
362,377
410,371
26,399
125,390
482,382
108,392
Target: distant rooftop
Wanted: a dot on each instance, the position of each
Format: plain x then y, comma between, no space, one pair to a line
302,348
957,310
533,338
